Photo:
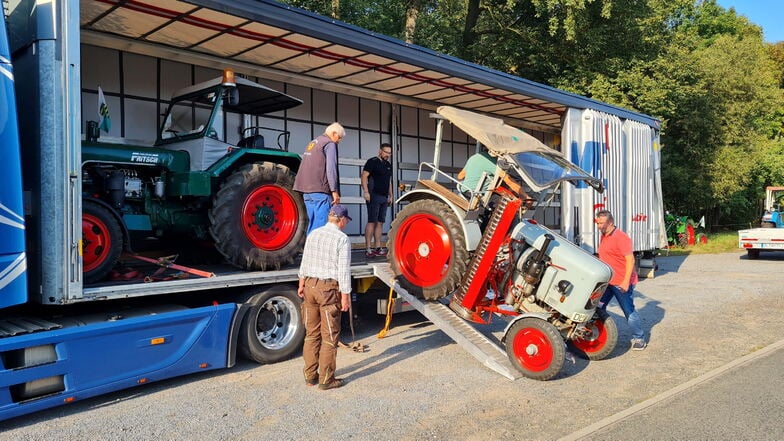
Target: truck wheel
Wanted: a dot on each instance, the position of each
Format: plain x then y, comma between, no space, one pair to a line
272,330
102,241
753,254
428,252
601,342
257,220
535,348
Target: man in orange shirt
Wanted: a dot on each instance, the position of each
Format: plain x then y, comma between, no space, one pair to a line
615,249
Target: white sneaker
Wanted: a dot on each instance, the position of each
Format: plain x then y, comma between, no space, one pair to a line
638,344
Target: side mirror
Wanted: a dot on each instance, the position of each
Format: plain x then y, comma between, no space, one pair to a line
233,97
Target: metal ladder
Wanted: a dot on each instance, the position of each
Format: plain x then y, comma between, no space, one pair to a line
465,335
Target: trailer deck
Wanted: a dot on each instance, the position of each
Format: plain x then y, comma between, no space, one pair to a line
226,276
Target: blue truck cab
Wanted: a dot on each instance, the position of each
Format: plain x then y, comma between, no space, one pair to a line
13,260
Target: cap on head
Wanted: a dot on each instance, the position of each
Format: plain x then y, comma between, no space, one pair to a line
339,210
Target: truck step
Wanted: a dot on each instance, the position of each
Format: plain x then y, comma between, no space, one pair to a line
25,325
474,342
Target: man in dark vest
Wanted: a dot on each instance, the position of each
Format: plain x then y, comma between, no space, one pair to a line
317,178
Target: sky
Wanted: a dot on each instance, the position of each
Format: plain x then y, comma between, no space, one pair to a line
768,14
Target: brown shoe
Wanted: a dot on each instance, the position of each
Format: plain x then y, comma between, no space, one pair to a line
311,381
334,384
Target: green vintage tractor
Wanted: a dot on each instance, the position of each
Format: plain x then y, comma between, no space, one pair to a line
193,187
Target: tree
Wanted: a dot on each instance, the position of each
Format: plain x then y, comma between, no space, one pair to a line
704,71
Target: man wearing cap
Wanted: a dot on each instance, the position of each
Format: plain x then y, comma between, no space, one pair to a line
325,287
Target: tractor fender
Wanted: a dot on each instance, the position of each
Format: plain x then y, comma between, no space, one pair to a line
240,157
123,227
520,317
471,230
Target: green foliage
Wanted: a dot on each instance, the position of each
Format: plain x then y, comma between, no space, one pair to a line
722,242
704,71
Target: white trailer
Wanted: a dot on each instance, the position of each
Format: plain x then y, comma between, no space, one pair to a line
757,240
626,156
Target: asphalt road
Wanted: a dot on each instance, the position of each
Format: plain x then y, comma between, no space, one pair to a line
709,372
742,400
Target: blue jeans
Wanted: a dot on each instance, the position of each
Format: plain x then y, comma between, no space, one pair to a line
626,302
317,205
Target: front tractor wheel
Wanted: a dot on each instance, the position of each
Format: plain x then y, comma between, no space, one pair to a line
273,329
535,348
428,249
102,241
257,220
600,343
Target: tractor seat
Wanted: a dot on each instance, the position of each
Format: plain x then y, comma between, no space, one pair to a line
252,142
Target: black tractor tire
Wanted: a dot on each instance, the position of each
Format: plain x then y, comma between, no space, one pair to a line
601,343
272,330
753,254
102,241
428,249
535,348
257,220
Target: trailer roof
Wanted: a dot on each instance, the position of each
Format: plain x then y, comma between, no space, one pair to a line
269,39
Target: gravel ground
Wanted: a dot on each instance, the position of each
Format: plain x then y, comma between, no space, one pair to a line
701,312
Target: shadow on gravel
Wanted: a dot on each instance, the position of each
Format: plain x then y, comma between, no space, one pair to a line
415,343
111,398
651,314
668,264
774,256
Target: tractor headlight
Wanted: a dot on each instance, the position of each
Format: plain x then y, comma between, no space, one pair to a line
597,293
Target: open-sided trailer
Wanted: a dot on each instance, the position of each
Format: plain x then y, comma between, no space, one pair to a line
64,339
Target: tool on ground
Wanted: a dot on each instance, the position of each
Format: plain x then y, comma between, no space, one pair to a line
354,345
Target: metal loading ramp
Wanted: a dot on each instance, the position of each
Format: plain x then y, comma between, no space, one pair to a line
459,330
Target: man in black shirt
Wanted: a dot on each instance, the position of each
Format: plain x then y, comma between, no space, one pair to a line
377,191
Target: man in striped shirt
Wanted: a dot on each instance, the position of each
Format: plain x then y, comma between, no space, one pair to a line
325,287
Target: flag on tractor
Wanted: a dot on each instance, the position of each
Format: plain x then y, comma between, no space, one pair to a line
104,121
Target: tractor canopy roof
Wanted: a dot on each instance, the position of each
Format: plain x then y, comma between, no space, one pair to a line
254,99
541,166
494,133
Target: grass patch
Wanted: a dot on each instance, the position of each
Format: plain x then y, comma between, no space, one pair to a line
722,242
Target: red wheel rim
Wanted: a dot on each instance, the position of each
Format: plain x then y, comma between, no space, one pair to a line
269,217
423,251
96,242
532,349
594,343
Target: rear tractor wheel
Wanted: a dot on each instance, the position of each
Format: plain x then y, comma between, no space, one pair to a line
257,220
428,249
